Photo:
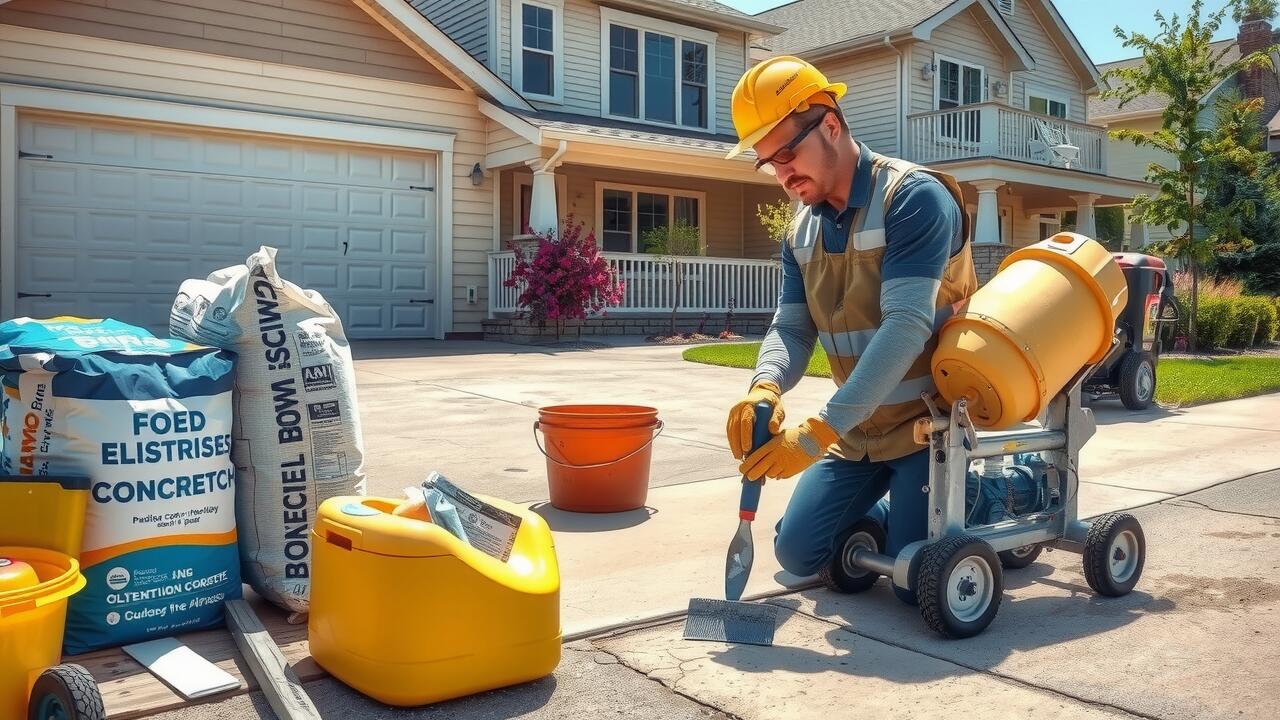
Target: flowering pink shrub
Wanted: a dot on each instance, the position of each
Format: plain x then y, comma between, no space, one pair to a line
565,278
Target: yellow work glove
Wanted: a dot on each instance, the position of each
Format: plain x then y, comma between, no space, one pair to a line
790,451
742,416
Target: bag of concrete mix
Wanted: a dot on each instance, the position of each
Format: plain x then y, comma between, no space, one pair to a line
297,435
148,421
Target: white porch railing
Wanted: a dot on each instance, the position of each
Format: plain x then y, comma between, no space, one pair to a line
995,130
708,284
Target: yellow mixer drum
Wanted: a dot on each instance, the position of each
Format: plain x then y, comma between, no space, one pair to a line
1050,310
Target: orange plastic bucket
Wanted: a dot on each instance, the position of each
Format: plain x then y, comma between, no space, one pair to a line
598,455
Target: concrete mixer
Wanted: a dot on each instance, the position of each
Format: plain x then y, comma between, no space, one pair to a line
1018,350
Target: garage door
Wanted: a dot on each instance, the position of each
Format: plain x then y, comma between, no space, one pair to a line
112,217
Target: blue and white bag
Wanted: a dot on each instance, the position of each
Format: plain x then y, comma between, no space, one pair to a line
148,420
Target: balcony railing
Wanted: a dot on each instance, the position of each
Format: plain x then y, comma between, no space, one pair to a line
995,130
708,285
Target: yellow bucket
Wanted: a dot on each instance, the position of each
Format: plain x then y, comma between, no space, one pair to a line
408,614
31,621
43,511
1050,310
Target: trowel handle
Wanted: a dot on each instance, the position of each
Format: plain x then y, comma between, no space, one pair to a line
759,436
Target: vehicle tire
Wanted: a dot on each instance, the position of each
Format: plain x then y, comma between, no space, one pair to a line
840,574
1114,553
1137,380
960,586
65,692
1018,558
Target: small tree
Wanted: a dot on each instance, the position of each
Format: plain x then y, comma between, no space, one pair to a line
671,243
1253,10
1108,224
776,218
564,278
1180,64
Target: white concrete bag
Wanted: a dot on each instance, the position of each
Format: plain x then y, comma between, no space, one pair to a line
297,435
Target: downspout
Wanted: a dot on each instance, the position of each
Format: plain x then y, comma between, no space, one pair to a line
902,110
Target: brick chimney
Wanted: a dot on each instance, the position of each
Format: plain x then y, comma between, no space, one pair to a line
1256,34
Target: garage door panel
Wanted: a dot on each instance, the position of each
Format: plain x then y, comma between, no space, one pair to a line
122,215
109,143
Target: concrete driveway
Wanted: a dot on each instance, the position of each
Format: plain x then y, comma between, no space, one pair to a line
467,410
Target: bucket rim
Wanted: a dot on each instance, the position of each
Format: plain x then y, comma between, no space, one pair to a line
597,409
67,583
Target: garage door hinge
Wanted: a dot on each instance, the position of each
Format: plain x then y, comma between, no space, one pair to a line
422,187
22,154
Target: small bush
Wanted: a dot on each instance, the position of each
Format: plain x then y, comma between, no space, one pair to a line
1245,327
1262,313
1216,321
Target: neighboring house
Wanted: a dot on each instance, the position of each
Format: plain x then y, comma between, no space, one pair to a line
1143,113
982,89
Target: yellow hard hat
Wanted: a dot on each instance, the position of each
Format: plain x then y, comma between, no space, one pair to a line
773,89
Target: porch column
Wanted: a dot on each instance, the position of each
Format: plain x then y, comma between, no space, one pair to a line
1084,214
987,227
543,216
1139,238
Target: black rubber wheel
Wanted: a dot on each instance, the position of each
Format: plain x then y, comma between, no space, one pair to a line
65,692
960,586
1114,553
1018,558
840,574
1137,380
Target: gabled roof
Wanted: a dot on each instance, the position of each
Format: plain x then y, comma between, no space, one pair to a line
1151,103
707,12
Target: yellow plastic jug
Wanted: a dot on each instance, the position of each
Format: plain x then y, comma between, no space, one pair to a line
1050,310
31,621
43,511
408,614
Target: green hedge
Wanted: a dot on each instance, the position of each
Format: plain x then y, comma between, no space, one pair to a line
1232,322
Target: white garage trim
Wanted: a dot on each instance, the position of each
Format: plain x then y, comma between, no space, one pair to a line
16,97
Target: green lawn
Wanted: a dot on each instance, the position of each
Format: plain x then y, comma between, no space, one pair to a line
1180,381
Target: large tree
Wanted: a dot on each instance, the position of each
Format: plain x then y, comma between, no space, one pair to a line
1179,63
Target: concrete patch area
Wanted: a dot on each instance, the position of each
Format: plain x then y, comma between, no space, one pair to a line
589,684
1198,638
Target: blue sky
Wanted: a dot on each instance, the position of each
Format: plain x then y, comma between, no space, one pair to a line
1091,20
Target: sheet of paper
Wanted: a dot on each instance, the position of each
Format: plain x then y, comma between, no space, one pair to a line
181,668
489,529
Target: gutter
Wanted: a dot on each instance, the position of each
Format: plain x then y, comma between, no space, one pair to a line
551,162
902,110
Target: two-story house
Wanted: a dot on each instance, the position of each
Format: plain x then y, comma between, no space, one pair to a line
992,91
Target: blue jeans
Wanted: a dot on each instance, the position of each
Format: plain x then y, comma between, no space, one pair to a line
835,493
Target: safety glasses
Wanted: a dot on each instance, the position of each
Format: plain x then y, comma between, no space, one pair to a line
787,153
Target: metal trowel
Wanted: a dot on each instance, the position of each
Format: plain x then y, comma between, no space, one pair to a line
731,620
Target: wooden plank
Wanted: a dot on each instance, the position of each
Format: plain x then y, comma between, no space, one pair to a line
278,682
129,691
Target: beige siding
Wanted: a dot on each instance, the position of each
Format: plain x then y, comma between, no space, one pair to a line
44,57
756,243
871,104
465,21
1054,72
501,138
961,39
1126,160
582,61
321,34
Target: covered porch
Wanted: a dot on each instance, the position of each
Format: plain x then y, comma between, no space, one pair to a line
621,183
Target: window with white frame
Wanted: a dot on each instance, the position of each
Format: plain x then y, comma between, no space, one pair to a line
627,212
956,84
537,40
1046,102
1049,225
656,71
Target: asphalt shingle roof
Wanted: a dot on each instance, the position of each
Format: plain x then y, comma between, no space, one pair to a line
712,6
1100,108
620,129
812,24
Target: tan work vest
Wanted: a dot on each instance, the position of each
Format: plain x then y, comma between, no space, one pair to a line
842,291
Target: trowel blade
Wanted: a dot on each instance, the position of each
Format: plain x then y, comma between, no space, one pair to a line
737,566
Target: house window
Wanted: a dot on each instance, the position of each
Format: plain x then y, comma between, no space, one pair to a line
627,212
1006,7
537,36
658,72
1043,103
1049,225
959,84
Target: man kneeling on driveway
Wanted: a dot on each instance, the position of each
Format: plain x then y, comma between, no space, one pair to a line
876,257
